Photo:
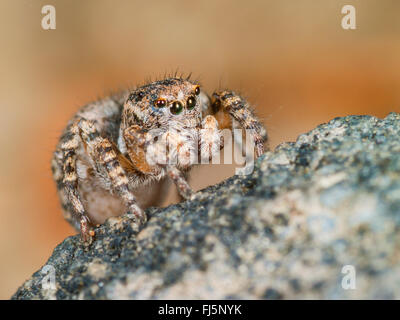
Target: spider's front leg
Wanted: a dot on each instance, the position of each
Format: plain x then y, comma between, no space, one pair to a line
228,103
109,160
152,151
69,183
211,140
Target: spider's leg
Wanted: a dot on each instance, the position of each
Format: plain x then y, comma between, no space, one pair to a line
211,140
180,154
57,169
180,181
136,140
109,160
165,153
68,149
228,102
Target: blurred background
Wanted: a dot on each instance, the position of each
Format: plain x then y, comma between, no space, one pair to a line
291,59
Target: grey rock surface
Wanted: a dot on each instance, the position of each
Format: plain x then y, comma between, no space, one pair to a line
310,208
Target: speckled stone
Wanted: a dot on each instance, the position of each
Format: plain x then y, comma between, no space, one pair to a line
330,199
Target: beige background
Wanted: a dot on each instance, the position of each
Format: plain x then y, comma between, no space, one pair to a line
291,59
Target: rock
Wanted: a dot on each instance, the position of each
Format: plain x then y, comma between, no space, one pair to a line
314,219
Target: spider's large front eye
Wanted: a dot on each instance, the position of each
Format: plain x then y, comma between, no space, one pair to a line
191,102
176,107
160,103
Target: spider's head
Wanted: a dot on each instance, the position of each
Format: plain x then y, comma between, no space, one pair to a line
165,103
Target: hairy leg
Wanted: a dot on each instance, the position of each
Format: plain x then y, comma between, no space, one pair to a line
79,217
110,162
105,159
180,181
137,141
163,153
227,105
57,169
211,140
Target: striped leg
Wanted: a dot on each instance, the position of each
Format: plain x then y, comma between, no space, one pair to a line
107,158
57,169
70,185
228,102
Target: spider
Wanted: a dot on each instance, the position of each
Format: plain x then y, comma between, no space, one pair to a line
106,158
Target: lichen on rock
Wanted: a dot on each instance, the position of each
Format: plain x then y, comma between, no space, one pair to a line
329,200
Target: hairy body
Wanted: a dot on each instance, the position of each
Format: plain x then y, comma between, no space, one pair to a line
108,162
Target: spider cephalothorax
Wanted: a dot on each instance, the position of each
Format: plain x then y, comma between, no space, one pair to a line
111,150
163,104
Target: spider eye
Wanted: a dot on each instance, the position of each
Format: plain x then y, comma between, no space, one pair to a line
176,107
160,103
191,102
197,90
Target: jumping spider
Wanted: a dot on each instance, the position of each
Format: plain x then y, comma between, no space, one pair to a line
100,164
